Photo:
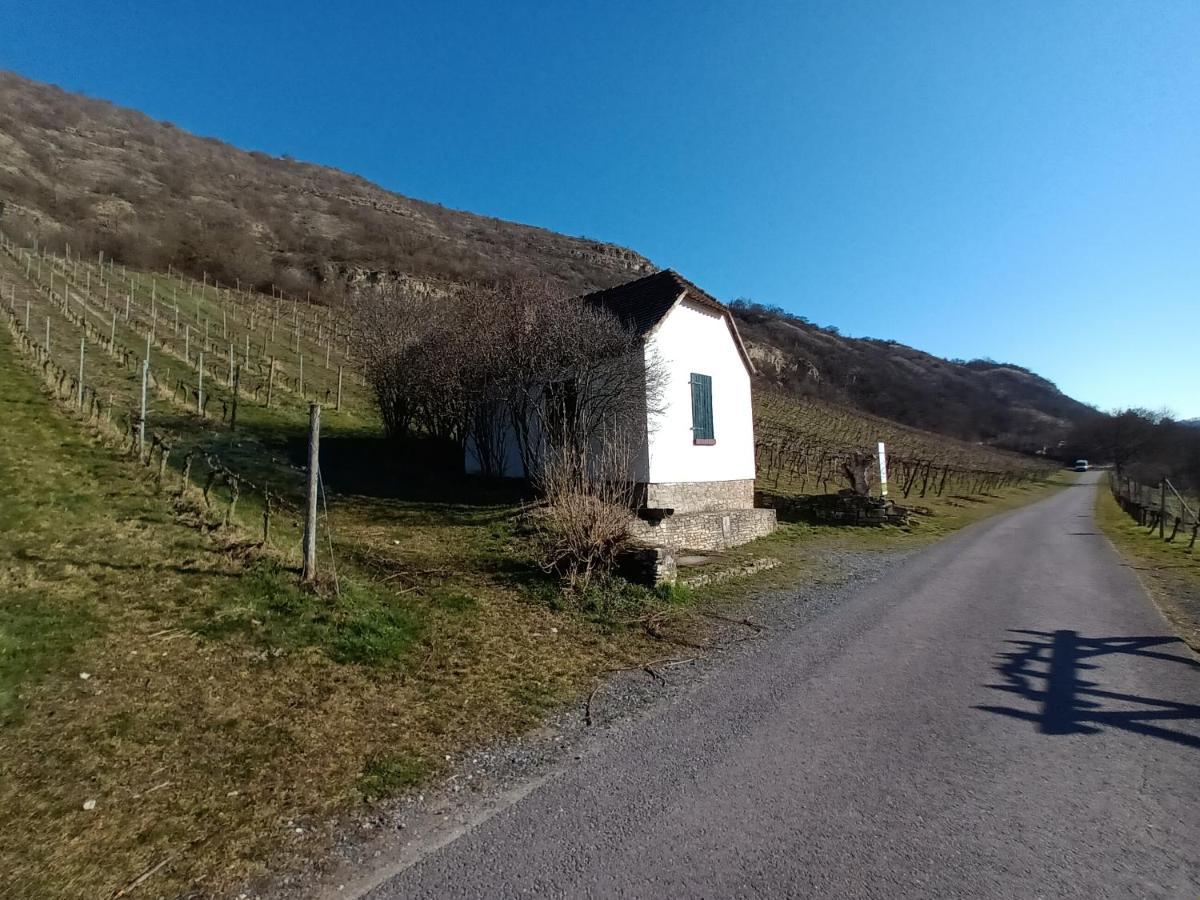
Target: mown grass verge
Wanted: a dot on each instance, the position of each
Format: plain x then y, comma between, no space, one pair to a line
1170,572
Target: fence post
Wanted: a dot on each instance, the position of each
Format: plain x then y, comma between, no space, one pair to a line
1162,507
309,571
237,380
200,384
80,393
270,382
142,417
339,392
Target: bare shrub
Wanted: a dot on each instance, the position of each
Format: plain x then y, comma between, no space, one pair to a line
396,333
517,361
583,521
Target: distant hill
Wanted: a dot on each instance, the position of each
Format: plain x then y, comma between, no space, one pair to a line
978,400
101,177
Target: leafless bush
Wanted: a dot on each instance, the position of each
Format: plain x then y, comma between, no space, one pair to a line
583,521
516,361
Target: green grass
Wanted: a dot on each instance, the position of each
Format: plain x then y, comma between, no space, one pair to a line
1170,572
359,624
385,776
64,500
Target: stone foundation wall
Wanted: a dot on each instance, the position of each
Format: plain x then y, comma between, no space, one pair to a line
706,530
700,496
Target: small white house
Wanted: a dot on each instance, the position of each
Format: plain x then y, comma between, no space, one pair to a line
695,462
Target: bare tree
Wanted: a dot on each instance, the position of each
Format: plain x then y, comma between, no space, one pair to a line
514,362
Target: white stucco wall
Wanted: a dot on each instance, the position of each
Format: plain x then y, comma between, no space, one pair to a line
693,338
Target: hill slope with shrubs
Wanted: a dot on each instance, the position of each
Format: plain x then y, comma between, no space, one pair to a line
85,172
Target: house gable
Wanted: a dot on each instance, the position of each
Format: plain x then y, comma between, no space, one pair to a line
643,305
693,344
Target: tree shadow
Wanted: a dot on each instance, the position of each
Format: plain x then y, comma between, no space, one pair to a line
1070,704
421,471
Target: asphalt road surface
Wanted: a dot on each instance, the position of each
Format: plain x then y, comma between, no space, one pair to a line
1006,715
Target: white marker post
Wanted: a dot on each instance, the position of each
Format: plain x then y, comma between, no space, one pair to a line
882,470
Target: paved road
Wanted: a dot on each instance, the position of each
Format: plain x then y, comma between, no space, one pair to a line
1007,716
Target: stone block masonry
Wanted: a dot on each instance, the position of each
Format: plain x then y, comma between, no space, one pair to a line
718,530
700,496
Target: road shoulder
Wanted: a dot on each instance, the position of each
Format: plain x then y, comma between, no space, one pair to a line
1169,572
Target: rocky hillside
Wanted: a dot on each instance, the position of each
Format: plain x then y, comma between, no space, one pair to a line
101,177
86,172
979,400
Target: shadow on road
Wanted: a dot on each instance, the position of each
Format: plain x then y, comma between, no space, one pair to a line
1045,667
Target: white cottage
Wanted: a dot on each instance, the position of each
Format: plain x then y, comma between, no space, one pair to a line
695,465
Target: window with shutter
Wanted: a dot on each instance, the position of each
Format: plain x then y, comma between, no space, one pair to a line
702,411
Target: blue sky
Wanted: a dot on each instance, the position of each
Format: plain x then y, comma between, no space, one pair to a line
1019,180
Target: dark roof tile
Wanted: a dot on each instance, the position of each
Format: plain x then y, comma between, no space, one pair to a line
641,304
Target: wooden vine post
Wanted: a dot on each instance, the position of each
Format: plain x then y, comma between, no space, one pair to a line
142,415
237,381
1162,507
308,572
82,344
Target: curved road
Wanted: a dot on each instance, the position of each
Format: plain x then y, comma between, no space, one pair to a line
1006,715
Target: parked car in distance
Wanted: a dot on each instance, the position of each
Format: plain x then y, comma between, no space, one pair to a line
1081,465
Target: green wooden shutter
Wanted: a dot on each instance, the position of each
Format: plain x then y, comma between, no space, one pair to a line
702,412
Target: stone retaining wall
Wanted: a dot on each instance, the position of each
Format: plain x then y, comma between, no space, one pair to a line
700,496
706,530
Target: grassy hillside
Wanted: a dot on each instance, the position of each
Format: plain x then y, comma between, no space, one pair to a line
802,444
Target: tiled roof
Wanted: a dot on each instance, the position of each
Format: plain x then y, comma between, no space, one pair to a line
641,304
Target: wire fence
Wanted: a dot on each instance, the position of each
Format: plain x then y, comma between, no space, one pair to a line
1159,507
85,341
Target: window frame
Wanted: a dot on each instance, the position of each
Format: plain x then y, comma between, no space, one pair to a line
704,382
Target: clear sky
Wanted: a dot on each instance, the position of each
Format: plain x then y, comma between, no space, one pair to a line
1019,180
